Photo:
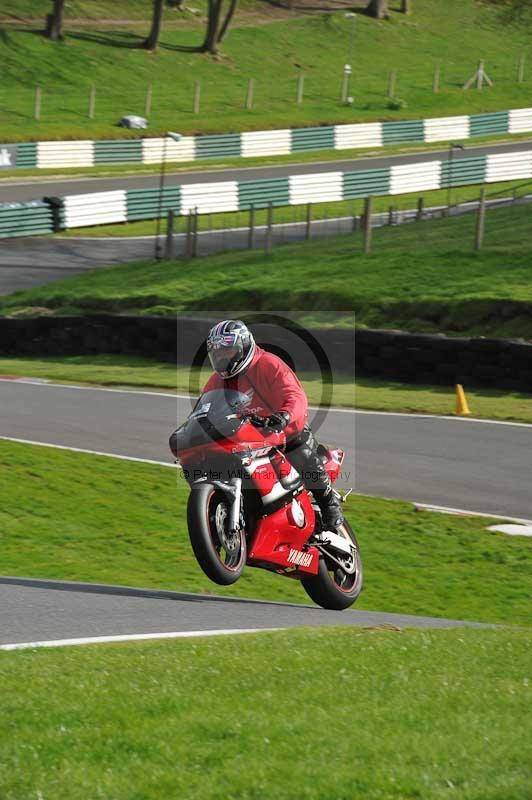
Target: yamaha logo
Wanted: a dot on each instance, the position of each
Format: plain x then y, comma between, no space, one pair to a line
299,558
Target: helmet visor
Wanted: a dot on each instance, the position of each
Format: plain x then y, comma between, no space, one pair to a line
222,357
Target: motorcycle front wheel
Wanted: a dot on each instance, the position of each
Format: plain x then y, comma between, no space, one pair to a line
334,587
221,555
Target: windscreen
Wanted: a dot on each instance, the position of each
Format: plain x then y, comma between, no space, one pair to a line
220,403
216,415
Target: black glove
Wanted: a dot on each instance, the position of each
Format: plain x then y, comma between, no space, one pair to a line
278,421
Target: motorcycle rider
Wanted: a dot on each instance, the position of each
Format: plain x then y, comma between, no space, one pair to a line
277,395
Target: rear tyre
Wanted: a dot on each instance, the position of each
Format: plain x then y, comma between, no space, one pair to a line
334,587
221,556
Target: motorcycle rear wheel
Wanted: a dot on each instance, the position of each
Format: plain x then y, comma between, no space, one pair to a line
221,557
332,587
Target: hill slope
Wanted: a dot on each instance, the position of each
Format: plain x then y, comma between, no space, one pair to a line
454,34
420,277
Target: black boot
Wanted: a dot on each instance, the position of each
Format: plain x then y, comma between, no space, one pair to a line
331,512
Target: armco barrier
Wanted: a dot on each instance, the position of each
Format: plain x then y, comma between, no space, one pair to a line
206,198
118,152
261,193
145,203
488,124
46,155
24,219
416,358
54,154
80,210
223,146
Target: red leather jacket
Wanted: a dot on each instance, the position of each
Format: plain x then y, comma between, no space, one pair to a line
272,386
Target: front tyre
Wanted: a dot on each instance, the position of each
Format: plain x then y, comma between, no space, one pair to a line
335,587
221,556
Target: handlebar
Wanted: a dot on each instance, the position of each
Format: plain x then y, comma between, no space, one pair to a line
255,419
261,422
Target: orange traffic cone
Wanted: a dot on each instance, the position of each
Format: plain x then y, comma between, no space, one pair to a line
462,408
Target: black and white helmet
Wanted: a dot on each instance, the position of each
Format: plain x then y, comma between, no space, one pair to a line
231,347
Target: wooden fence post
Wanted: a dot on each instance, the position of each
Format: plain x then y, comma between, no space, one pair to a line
251,232
368,206
92,101
481,220
436,79
521,69
300,89
37,103
480,75
249,94
269,226
195,234
308,222
188,241
392,79
420,208
197,96
147,102
169,244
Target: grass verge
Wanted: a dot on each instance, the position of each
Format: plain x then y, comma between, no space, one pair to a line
80,517
453,34
366,393
415,714
422,277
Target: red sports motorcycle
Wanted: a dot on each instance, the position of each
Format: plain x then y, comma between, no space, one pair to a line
248,505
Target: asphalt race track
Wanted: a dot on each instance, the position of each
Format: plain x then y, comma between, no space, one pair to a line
453,462
19,189
47,611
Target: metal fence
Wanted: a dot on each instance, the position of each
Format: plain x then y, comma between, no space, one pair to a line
195,235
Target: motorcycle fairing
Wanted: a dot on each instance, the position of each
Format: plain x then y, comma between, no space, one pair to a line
278,537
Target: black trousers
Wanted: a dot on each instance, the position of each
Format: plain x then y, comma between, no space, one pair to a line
302,452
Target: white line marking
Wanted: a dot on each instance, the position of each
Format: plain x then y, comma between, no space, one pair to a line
88,452
465,512
449,417
132,637
335,409
81,388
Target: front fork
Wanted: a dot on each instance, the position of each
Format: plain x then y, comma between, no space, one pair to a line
233,489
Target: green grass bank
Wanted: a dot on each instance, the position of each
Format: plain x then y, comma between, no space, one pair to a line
411,714
422,277
273,47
